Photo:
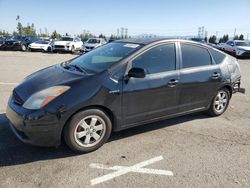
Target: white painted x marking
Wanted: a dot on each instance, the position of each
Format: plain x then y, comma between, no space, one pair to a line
121,170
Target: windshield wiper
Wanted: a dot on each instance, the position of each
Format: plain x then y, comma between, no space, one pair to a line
68,66
77,67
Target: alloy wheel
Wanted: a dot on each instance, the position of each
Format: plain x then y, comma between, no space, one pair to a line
90,131
221,101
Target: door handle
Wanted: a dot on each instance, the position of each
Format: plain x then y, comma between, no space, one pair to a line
215,75
173,82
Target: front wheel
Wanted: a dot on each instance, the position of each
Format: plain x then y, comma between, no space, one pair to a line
23,47
73,49
220,102
87,130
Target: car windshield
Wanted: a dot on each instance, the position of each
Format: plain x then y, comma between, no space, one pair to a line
42,42
93,41
104,57
17,37
66,39
242,43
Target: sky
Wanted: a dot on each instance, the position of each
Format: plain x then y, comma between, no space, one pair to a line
160,17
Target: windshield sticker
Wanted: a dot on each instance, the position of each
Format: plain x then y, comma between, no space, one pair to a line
131,45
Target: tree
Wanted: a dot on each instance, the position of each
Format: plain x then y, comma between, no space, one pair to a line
19,28
241,37
29,30
212,39
55,35
102,36
236,37
205,39
224,39
4,33
66,34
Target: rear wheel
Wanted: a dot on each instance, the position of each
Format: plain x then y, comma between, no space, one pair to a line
88,130
220,102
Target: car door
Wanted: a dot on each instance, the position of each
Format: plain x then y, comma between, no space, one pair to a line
200,77
155,95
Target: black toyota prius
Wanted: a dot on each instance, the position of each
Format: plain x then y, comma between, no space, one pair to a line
122,84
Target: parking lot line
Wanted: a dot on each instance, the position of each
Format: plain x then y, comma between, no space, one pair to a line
121,170
7,83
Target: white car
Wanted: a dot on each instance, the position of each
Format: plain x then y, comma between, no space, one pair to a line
238,48
92,43
68,44
41,45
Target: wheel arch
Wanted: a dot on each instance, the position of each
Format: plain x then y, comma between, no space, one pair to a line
100,107
229,88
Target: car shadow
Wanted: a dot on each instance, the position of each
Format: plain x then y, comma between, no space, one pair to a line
14,152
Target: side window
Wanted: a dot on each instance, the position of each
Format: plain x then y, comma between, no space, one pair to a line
194,56
230,43
218,56
156,60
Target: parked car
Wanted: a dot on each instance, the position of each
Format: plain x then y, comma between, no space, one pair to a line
1,41
92,43
201,40
111,40
220,46
238,48
41,45
18,42
121,85
67,44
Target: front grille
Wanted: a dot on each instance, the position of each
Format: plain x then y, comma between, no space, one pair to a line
17,99
247,53
90,48
59,46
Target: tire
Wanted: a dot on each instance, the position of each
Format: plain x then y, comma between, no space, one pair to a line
219,103
23,47
87,130
73,49
49,49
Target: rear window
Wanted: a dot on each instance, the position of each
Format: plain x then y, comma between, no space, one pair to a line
194,56
218,56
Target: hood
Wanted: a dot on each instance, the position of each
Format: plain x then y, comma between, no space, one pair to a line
61,42
11,41
45,78
244,48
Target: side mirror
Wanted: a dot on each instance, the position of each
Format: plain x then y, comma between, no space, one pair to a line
136,73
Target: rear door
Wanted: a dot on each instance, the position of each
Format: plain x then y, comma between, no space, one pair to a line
199,77
155,95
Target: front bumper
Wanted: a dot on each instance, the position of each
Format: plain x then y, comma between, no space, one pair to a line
62,48
245,54
34,127
87,49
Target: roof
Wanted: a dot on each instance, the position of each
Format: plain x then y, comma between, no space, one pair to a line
146,41
141,40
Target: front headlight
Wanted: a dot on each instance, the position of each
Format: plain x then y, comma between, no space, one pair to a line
67,44
41,98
